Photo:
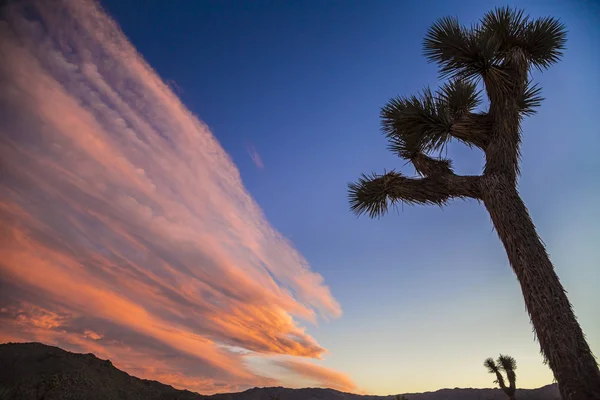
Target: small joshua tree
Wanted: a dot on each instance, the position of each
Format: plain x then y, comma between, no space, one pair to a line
508,365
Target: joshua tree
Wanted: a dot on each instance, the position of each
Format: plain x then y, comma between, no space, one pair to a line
500,52
508,365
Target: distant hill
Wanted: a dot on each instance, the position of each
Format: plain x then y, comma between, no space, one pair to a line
549,392
34,371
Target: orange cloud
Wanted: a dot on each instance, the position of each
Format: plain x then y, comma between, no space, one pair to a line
125,229
92,335
319,375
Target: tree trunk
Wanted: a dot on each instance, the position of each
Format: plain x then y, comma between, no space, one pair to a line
510,392
561,339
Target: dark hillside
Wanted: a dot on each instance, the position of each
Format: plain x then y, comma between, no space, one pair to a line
34,371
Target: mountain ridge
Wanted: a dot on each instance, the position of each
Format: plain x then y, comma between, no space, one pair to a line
35,371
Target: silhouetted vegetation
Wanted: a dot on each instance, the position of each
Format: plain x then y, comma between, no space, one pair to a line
508,365
499,52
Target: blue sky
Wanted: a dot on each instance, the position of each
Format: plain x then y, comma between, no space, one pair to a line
426,294
303,82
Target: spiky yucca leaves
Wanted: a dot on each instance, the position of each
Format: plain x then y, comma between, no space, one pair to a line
459,97
417,125
484,48
428,121
374,194
460,52
499,52
531,99
508,365
492,368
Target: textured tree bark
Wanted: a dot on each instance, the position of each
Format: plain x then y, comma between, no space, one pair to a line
561,339
473,129
510,391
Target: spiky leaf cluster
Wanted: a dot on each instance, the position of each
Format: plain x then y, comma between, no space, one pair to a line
507,363
486,47
371,193
423,123
531,99
374,194
504,363
500,48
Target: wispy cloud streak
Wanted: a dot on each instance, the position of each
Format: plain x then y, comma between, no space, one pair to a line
125,227
255,157
319,375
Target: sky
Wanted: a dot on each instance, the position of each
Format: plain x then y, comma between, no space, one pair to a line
173,195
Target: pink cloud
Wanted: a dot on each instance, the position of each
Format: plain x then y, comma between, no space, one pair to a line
140,240
320,376
256,158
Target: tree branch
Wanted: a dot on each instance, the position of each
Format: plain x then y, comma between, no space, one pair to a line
493,369
473,129
509,364
500,379
427,166
374,194
512,380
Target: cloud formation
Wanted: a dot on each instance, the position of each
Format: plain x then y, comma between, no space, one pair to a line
256,158
125,229
319,375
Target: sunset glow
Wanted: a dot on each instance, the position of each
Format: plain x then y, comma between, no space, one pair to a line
126,230
173,196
